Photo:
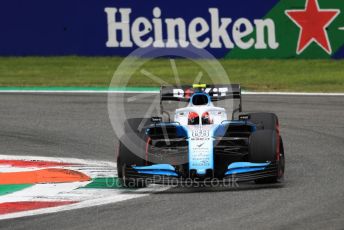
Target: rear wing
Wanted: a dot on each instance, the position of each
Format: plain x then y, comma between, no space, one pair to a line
184,92
216,93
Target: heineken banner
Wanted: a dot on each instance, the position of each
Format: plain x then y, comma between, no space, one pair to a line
226,28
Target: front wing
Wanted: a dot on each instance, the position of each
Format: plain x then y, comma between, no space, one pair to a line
237,172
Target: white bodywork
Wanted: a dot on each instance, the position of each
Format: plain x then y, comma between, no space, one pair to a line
216,114
201,157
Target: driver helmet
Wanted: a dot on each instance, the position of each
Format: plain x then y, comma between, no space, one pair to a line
193,118
206,119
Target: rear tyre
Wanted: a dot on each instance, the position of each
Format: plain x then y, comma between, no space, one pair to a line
266,121
266,146
136,125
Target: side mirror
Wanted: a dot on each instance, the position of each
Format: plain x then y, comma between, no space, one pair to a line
156,119
244,117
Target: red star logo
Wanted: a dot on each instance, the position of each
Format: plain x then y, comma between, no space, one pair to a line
313,22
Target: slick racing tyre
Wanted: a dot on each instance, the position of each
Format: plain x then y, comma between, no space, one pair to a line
136,125
125,159
266,121
267,146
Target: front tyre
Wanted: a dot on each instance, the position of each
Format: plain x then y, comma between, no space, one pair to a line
267,146
125,160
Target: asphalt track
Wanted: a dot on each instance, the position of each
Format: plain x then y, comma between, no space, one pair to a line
78,126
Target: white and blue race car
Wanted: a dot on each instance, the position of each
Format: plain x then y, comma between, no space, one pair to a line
199,143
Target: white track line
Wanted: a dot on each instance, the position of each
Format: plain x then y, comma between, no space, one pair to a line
78,91
292,94
156,92
58,159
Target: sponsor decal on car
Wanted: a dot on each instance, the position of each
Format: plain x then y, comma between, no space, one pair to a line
200,148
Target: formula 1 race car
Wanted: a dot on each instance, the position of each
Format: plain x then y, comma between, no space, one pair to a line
197,141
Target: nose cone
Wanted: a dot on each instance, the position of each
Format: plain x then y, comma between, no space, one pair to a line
201,173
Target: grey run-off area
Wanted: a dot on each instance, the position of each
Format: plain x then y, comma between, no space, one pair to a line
77,125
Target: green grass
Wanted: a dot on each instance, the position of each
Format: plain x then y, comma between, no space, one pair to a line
254,75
